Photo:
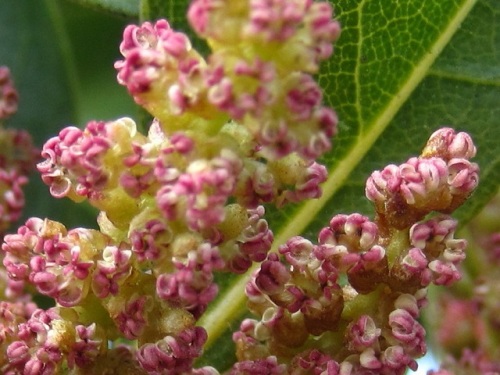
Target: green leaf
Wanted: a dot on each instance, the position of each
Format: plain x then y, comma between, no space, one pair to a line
128,8
397,76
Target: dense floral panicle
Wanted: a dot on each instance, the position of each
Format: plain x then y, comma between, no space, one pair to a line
193,181
29,238
441,179
350,245
305,126
238,129
420,184
8,94
283,112
296,288
239,87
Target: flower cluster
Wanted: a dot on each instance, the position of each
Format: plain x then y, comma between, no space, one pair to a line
17,156
350,303
17,159
182,205
440,180
234,130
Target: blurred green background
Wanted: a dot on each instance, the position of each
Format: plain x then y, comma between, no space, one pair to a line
97,36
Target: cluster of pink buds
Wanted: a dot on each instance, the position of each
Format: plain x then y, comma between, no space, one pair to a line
441,179
17,156
357,293
17,159
232,131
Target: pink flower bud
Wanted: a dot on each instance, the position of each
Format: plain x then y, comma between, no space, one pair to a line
298,251
446,143
356,232
463,177
272,276
131,320
362,334
174,353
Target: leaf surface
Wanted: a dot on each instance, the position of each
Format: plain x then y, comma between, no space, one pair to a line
122,7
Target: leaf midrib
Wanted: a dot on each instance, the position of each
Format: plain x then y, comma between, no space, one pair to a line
231,302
